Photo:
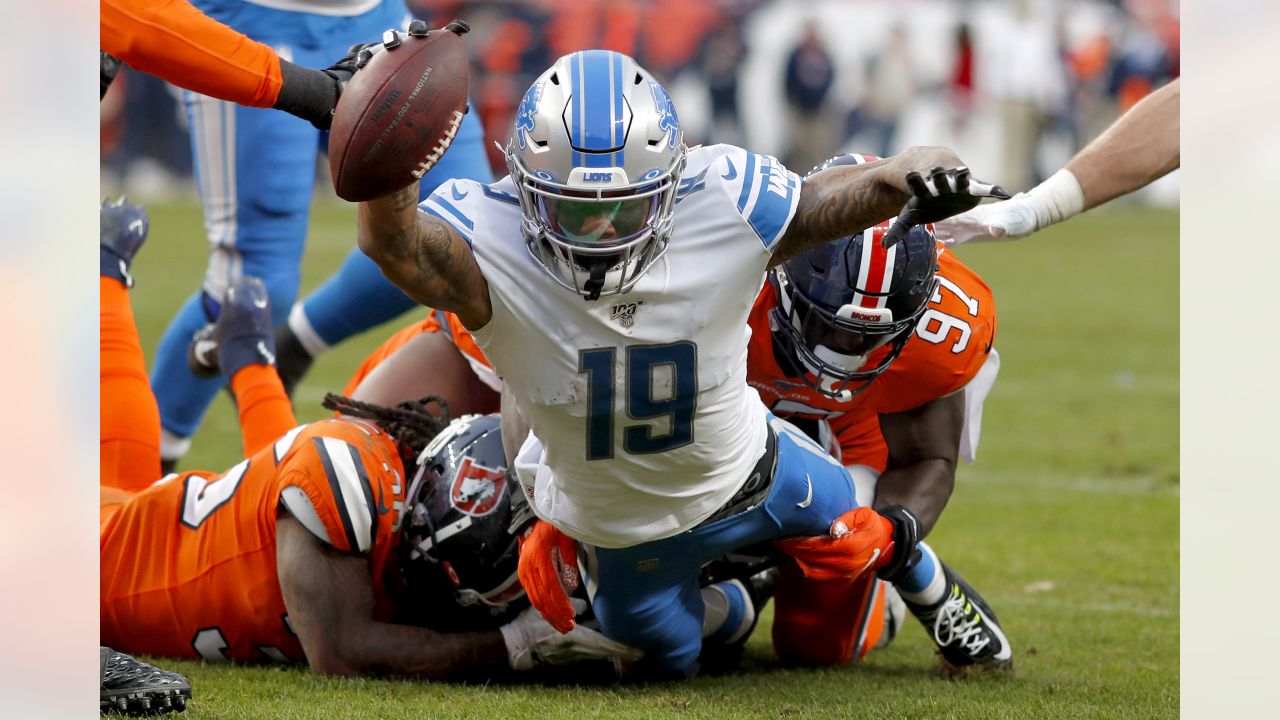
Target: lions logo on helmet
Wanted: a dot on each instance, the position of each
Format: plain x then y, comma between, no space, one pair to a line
476,488
525,122
596,153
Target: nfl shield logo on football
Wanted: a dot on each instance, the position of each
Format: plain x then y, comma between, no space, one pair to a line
476,489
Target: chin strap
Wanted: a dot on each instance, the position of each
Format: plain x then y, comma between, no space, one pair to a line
595,283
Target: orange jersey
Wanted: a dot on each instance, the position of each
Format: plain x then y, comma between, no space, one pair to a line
189,565
173,40
952,341
436,321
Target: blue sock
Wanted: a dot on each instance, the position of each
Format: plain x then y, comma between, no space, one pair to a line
924,583
354,299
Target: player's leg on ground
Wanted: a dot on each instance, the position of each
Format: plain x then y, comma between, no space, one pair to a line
828,622
646,595
136,688
255,171
129,422
964,628
358,297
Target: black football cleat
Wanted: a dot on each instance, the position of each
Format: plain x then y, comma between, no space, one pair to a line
965,629
122,228
134,688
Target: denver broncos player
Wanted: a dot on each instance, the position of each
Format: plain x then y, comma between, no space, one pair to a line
646,443
289,554
888,363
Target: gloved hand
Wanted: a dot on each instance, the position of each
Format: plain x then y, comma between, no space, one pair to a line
943,194
531,641
548,570
859,540
1052,201
313,94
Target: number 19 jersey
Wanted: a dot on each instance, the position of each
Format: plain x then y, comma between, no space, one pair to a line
642,421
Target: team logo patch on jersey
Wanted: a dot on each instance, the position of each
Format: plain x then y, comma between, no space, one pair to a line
476,489
625,313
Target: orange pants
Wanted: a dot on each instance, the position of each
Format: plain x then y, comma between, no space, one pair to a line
129,420
819,623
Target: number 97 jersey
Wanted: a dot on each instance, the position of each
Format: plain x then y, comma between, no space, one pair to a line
951,344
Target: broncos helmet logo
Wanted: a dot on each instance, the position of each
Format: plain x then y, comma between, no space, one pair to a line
525,122
666,113
476,489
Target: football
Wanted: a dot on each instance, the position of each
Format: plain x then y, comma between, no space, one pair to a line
400,112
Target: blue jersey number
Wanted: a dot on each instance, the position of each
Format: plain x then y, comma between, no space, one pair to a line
661,382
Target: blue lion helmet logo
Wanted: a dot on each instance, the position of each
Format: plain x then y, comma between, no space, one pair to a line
666,113
525,122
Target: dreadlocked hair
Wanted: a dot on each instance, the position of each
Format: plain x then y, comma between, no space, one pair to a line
411,423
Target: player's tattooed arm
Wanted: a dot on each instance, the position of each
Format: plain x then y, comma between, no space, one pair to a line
923,445
330,601
423,256
846,199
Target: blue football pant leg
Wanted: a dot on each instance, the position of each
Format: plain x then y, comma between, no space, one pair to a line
358,297
255,173
658,610
647,595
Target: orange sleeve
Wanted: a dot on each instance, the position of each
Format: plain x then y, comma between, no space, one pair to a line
174,41
264,408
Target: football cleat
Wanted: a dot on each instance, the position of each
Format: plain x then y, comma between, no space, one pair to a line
134,688
242,335
122,228
965,629
202,353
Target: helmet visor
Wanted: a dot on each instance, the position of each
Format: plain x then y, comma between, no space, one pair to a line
597,223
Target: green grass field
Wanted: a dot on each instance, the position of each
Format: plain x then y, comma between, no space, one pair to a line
1068,523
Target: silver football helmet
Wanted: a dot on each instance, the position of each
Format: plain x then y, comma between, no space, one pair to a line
596,154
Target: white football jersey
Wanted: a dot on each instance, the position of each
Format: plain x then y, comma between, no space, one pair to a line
642,422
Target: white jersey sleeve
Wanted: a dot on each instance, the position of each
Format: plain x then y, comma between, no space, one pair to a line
765,192
459,202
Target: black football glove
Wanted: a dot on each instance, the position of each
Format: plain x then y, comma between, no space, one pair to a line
943,194
906,535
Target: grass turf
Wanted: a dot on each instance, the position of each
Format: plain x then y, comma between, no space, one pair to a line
1067,524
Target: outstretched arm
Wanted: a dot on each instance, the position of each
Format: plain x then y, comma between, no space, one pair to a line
1140,147
329,597
424,257
847,199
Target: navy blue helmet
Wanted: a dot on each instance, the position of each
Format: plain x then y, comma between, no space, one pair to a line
840,302
462,514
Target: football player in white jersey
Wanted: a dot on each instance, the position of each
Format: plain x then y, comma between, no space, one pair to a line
608,279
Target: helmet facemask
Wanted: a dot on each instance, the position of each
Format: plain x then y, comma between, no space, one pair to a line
596,154
834,347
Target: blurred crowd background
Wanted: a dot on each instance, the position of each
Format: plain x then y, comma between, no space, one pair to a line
1015,86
